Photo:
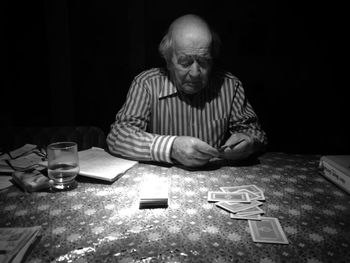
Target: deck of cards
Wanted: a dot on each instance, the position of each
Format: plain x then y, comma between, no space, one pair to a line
243,202
154,192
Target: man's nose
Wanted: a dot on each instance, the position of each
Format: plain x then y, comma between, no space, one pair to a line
195,70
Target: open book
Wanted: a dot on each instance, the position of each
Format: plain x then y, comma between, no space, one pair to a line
97,163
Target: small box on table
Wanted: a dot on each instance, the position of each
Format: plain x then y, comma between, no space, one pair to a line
336,168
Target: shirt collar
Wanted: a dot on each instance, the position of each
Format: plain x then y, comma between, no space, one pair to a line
168,88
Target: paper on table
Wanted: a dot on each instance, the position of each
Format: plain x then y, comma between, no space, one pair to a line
22,150
97,163
14,242
5,181
4,156
26,161
4,167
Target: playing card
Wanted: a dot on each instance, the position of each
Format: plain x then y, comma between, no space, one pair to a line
247,217
267,230
228,197
261,196
237,207
251,211
230,146
252,196
255,192
253,188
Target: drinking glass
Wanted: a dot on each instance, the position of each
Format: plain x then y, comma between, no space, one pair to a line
63,165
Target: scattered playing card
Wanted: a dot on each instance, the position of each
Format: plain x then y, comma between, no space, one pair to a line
263,229
247,217
251,211
237,207
255,192
252,187
252,196
267,230
261,196
228,197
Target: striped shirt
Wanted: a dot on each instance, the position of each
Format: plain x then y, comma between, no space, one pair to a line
155,113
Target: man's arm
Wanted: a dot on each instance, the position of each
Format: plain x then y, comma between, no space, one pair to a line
247,136
128,136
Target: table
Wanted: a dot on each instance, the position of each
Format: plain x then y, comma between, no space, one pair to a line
100,222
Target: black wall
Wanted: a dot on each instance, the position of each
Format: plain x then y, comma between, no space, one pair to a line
71,63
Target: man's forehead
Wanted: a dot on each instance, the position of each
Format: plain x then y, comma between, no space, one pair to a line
193,38
189,52
190,45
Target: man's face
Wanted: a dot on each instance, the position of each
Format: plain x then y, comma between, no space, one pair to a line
190,66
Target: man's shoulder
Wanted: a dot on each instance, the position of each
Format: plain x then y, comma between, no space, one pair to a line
225,75
150,74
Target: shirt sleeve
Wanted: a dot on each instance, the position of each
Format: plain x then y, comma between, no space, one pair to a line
244,119
128,135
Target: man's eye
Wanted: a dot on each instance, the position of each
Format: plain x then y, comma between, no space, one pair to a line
203,62
185,63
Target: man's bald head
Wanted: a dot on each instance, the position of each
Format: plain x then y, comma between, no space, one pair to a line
186,30
190,28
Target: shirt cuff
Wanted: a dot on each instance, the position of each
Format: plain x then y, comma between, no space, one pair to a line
161,148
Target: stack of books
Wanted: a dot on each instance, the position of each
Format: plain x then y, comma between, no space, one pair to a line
154,192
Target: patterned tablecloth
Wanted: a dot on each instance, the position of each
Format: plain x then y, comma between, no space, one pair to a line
100,222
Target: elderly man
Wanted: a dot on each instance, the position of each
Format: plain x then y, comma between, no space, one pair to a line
190,112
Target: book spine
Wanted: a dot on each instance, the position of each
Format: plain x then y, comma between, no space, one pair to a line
336,176
336,165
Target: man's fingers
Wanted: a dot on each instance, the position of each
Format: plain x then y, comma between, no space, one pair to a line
192,151
232,144
206,150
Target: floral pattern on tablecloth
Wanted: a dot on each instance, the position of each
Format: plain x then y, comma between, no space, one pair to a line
100,222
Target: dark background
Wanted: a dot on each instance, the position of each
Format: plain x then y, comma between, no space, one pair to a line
71,62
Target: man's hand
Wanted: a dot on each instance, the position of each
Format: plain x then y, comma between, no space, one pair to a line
192,152
238,147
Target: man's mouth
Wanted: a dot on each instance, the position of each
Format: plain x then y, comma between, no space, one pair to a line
194,84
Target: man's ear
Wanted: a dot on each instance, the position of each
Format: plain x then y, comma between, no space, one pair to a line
169,64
